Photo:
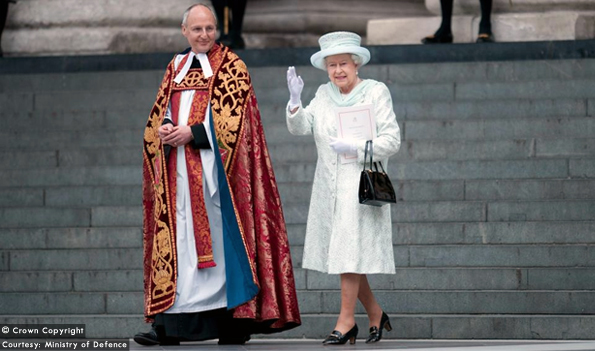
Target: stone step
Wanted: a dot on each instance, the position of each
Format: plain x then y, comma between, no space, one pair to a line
267,78
412,151
428,233
500,129
71,238
74,124
80,176
405,326
78,100
44,217
447,190
321,301
529,189
72,303
111,141
81,81
14,217
105,121
143,98
73,259
474,211
478,233
301,192
72,281
448,255
457,326
511,108
297,149
297,213
493,233
71,196
439,72
516,256
415,279
304,172
469,170
75,157
459,302
474,91
486,279
493,109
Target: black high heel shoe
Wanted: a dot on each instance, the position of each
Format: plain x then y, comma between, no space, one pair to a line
336,338
438,38
376,333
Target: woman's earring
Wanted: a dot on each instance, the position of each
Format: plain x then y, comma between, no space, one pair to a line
356,73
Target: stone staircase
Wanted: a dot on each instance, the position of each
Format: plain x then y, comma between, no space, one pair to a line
494,233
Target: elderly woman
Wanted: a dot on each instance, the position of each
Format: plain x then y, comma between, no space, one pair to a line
342,236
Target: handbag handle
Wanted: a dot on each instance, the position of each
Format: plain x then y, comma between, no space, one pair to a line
371,145
376,166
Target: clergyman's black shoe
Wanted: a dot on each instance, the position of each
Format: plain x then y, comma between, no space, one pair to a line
147,339
152,338
234,340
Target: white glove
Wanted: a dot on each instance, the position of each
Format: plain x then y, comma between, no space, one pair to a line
343,146
295,85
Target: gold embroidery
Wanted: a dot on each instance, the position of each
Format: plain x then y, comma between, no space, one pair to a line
194,80
228,101
162,269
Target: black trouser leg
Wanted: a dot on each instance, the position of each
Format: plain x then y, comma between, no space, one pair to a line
238,8
445,27
485,25
3,15
219,7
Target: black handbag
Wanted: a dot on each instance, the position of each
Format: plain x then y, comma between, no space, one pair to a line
375,188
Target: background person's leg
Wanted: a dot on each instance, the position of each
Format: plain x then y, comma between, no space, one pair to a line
444,33
238,9
485,25
346,322
3,15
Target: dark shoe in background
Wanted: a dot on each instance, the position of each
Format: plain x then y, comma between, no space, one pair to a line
234,42
438,39
485,38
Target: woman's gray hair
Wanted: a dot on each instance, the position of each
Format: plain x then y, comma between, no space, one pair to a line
187,12
356,59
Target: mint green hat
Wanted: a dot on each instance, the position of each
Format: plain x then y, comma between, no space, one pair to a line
335,43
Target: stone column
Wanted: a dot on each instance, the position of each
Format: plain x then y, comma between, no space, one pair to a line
512,20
